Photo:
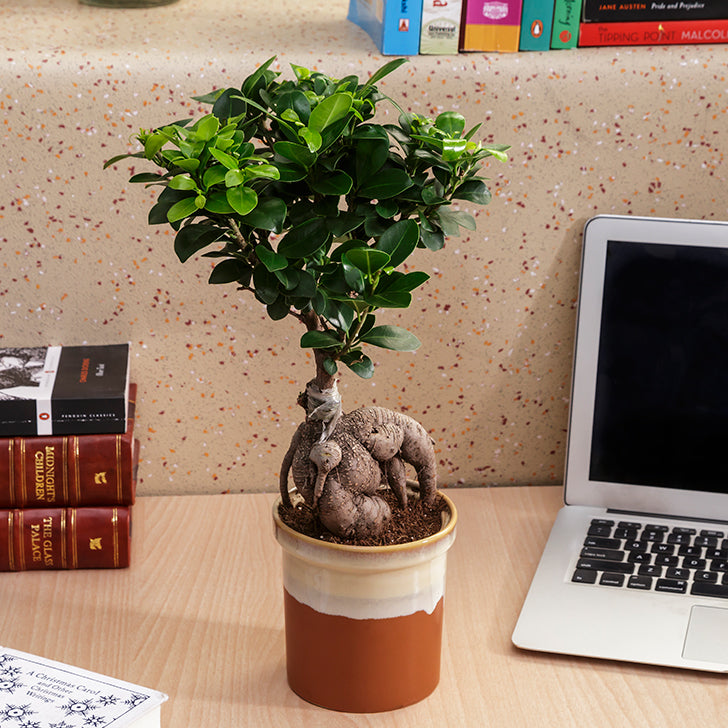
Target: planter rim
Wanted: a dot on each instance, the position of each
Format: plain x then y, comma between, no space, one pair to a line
445,530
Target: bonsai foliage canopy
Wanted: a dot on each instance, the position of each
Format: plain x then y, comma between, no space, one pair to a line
307,201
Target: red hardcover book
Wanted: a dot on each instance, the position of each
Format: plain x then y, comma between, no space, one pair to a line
676,32
65,538
70,470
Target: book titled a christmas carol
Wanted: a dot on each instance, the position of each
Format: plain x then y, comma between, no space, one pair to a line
46,694
68,390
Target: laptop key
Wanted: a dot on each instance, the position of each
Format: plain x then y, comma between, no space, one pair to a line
584,576
675,586
706,576
703,589
597,553
602,543
618,567
640,582
609,579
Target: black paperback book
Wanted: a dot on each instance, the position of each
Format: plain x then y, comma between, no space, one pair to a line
622,11
64,390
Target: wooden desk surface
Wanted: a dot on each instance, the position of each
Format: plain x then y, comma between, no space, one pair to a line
199,615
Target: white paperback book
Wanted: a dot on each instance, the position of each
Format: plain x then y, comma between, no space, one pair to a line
46,694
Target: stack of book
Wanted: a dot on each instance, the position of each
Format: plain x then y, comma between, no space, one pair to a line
653,22
67,457
409,27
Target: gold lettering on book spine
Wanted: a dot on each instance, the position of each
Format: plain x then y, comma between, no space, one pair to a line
76,471
11,541
23,497
69,514
11,471
115,534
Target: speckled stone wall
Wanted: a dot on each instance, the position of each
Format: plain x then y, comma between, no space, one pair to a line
613,130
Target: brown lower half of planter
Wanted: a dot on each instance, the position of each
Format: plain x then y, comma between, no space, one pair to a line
362,665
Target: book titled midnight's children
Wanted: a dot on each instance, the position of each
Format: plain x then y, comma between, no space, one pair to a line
64,390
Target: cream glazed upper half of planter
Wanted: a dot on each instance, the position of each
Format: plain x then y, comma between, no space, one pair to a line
372,582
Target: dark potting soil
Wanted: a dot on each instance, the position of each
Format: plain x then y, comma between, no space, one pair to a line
414,522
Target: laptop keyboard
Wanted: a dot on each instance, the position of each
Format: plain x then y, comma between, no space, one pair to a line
654,557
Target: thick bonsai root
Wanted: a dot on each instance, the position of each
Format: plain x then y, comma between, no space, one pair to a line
338,470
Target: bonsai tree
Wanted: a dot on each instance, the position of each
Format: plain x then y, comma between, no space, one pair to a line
307,202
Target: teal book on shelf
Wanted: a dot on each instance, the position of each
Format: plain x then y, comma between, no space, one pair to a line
536,23
565,29
394,25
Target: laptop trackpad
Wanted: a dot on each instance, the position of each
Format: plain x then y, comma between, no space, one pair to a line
707,637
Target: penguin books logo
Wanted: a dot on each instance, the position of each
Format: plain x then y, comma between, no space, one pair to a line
495,11
536,29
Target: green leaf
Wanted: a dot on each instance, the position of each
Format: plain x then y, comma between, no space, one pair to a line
242,199
361,365
391,337
153,144
224,158
406,281
298,153
279,309
385,70
330,110
390,299
399,240
193,238
226,272
207,127
330,366
388,183
305,239
336,184
269,214
270,259
452,123
367,260
319,340
234,177
266,285
182,209
147,177
452,219
474,190
217,202
214,175
182,182
311,138
452,149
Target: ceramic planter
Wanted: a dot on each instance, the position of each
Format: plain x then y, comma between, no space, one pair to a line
364,624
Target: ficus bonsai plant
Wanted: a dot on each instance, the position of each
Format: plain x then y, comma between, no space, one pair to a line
307,201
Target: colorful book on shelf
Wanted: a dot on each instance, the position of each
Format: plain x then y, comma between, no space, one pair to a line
65,538
491,25
63,390
677,32
565,24
440,26
611,11
70,470
41,693
394,25
536,22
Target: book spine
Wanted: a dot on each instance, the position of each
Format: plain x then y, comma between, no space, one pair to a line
43,472
536,23
86,470
491,25
656,33
64,538
440,27
565,27
401,26
602,11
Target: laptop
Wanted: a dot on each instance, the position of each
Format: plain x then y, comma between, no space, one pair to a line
636,566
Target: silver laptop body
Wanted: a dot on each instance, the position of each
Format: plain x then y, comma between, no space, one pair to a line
647,457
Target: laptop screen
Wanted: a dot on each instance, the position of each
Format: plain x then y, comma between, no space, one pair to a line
661,397
648,427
